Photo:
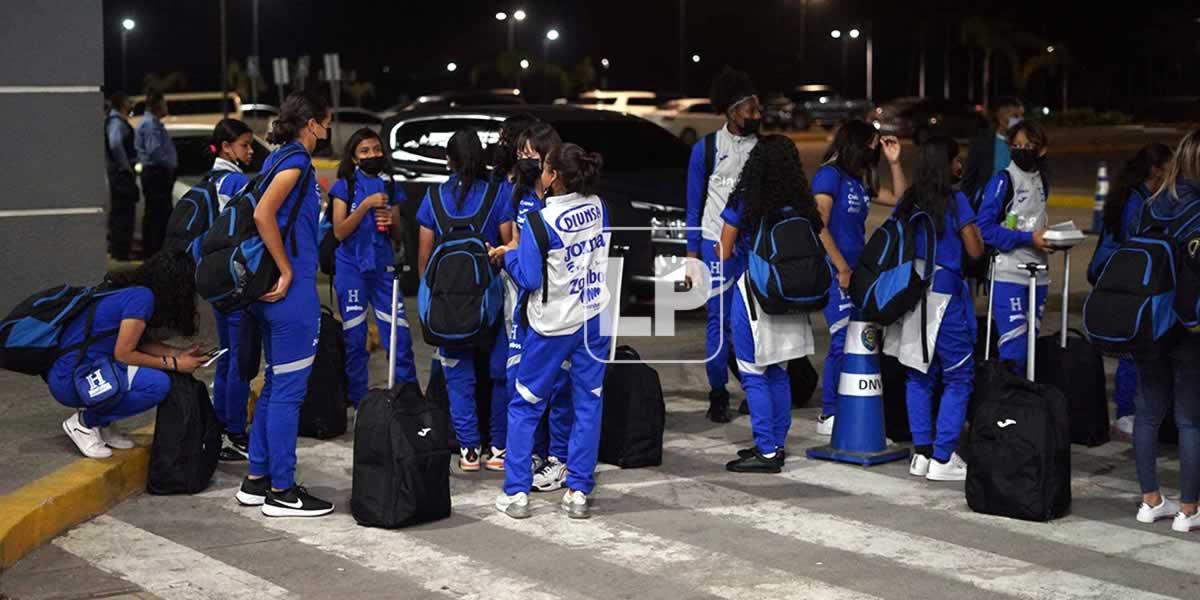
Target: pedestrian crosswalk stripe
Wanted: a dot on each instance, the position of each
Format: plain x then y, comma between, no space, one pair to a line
160,566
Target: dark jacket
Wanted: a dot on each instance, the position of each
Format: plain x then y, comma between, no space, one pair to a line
980,156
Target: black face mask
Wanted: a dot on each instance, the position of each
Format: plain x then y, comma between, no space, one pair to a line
324,143
1025,159
527,171
751,126
371,166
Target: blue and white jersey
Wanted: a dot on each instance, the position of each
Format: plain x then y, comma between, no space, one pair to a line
229,179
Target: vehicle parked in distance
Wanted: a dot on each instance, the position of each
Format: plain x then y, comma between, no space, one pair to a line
822,105
689,119
922,118
630,102
259,116
192,108
451,99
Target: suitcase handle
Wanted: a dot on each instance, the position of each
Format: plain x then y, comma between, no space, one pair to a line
1031,318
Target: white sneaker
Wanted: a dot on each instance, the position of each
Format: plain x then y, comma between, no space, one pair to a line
1165,510
114,440
551,476
918,466
954,469
1124,425
87,439
515,506
1184,523
495,461
576,505
825,425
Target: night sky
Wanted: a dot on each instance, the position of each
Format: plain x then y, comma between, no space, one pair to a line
403,46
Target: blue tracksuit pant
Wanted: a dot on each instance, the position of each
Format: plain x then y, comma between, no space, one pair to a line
537,376
459,366
230,392
290,329
1011,311
147,388
768,389
952,364
717,334
837,315
358,294
552,434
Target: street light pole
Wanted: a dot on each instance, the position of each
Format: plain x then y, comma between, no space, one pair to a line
254,47
127,25
682,45
870,66
551,36
224,66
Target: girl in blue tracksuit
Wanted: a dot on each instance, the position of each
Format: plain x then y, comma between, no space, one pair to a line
1138,179
550,440
290,314
366,217
1012,218
844,188
463,196
233,144
159,294
949,309
772,186
564,312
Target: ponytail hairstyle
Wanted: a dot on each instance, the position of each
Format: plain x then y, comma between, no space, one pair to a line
171,277
346,166
774,179
932,189
1184,165
227,131
464,152
577,167
1135,172
298,108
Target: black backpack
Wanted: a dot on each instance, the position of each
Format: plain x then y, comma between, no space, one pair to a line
631,432
323,414
30,334
788,269
187,439
401,459
1134,305
193,215
233,267
461,296
1020,446
886,283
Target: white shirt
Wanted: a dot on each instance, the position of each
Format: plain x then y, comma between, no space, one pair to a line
731,155
576,269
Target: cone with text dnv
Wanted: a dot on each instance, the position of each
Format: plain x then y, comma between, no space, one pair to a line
858,431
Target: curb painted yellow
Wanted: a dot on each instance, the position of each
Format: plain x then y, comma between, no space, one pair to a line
1070,201
325,163
35,513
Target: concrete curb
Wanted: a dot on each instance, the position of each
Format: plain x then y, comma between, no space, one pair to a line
35,513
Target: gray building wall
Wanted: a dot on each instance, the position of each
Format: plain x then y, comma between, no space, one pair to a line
54,201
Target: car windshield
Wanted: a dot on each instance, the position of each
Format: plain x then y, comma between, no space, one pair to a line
203,106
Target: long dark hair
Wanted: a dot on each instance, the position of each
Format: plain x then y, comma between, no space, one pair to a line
577,167
851,151
773,179
504,152
171,277
932,188
542,138
294,115
1133,174
227,131
346,166
465,153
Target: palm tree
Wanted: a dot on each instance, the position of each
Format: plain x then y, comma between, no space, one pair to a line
1001,37
164,82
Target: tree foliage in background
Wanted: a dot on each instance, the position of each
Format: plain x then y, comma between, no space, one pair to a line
164,82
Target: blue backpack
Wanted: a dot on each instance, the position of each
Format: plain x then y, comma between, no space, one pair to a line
886,283
788,269
30,335
233,267
461,297
193,215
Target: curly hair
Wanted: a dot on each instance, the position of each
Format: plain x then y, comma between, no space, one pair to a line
773,179
932,188
730,87
171,277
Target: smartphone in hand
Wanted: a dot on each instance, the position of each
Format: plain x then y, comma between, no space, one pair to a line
213,355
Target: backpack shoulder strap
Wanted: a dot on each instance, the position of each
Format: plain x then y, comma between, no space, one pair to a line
537,224
710,162
289,229
930,241
1006,204
440,217
485,207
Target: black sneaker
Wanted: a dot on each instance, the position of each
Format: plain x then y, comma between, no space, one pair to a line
756,463
296,502
718,407
744,409
254,491
780,454
235,447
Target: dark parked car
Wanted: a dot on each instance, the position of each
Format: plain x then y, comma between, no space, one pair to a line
922,118
642,181
805,105
451,99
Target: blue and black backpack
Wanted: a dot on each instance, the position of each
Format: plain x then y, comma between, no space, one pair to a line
1146,287
233,267
30,335
887,283
788,270
461,297
193,215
